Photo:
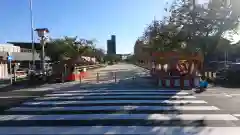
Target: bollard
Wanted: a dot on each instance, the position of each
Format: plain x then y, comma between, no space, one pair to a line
14,74
80,79
112,75
75,72
10,66
62,78
97,77
64,73
65,69
115,77
75,68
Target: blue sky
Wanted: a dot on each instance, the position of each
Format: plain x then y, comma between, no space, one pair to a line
83,18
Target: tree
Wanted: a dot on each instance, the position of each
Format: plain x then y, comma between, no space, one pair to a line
72,47
160,36
198,26
112,58
206,24
99,54
62,48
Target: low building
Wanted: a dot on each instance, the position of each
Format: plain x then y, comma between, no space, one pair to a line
5,51
21,56
25,55
124,56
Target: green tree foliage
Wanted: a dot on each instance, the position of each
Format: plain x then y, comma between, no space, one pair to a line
61,48
197,26
204,24
68,47
161,36
112,58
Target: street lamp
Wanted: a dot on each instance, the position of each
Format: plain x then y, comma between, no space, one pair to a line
32,36
42,33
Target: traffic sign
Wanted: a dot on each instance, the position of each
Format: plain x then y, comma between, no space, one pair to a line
9,58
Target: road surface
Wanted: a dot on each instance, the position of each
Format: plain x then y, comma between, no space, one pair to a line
128,106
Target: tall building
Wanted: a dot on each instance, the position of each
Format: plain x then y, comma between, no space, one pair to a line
113,38
111,45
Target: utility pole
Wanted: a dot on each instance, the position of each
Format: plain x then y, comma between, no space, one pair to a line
32,36
42,41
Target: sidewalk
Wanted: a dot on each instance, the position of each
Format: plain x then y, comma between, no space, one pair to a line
4,83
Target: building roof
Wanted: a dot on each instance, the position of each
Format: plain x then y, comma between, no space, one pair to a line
26,45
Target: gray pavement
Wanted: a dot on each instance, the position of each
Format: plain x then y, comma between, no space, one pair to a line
227,99
131,105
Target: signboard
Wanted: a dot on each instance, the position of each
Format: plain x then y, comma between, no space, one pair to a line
9,58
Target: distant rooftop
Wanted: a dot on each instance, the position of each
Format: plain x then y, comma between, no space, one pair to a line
27,45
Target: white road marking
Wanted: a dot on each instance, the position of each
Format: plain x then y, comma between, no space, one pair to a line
121,117
208,95
115,102
125,93
37,89
236,115
216,94
7,97
234,94
119,108
227,95
102,90
123,130
118,97
212,89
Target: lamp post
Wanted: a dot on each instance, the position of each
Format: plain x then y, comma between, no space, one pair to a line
42,33
32,36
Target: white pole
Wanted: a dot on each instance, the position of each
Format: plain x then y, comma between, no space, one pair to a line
32,36
97,77
10,67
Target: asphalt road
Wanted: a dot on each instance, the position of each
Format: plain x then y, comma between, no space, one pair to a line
227,99
129,105
120,71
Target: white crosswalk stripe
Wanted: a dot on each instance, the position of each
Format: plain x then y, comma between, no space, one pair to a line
116,97
117,93
119,108
127,130
113,102
103,111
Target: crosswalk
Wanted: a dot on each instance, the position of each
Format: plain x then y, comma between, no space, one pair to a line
103,111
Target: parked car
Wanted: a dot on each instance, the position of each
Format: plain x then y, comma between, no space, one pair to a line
229,75
218,65
21,73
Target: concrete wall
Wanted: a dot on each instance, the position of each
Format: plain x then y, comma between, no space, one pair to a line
4,70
